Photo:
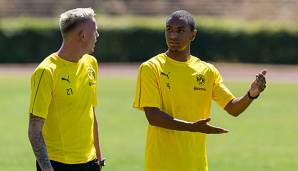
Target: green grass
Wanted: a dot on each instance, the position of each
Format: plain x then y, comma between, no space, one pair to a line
263,138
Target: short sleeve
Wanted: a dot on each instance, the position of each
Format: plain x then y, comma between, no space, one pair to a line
95,98
147,89
41,92
221,94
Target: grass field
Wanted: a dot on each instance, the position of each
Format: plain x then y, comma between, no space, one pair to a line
262,139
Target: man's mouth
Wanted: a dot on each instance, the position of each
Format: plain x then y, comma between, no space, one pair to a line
174,43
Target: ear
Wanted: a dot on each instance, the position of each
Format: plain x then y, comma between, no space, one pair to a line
82,35
194,34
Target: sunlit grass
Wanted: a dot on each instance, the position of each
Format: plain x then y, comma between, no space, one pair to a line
262,138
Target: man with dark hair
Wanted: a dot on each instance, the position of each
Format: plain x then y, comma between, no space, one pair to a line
175,90
63,129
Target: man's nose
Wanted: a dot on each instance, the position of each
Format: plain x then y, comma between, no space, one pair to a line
173,35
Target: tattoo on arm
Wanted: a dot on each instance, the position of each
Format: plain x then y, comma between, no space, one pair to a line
37,141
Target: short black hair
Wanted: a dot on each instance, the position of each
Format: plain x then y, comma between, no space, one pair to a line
186,16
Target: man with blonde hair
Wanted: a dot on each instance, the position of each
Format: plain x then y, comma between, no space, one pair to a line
63,129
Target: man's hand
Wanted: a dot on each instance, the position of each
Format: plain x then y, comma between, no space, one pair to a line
258,85
204,127
102,163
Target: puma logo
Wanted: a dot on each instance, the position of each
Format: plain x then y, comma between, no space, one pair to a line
65,79
166,75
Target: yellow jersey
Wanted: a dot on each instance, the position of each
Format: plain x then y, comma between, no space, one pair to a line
185,91
64,94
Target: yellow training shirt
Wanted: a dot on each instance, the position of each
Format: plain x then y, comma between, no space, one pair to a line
64,94
183,90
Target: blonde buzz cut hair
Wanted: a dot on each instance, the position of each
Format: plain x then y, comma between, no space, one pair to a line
72,18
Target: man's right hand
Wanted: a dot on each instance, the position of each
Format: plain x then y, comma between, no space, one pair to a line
164,120
204,127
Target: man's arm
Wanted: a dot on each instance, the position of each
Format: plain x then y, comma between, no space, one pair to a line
236,106
158,118
38,143
96,138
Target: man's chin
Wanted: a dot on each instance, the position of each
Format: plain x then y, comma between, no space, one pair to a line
90,51
174,50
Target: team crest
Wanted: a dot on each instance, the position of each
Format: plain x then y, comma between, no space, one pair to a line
91,73
200,79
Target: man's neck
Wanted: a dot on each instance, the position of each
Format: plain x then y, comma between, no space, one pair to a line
178,56
70,52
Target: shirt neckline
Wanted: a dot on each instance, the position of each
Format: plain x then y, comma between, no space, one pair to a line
189,60
66,62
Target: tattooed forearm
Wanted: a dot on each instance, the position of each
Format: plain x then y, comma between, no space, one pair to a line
37,142
40,151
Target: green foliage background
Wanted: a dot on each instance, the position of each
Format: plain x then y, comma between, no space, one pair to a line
135,39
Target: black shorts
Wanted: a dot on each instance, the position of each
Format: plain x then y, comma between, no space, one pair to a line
89,166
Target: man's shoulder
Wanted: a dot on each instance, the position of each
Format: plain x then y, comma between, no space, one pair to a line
205,64
155,60
90,58
49,64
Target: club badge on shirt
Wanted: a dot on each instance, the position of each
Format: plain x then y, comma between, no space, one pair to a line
201,80
91,75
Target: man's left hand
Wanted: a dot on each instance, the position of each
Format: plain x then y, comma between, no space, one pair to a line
101,163
258,85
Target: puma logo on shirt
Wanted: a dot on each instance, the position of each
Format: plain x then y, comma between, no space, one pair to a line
65,79
166,75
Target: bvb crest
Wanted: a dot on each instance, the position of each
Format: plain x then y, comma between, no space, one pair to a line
91,73
200,79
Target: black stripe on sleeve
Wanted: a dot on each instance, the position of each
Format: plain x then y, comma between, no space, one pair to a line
140,90
37,90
